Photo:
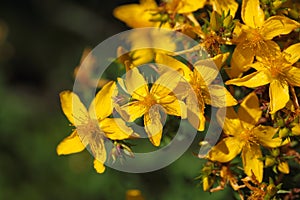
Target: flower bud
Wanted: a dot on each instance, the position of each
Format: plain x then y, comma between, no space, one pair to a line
271,190
275,152
270,161
284,167
296,129
284,132
227,21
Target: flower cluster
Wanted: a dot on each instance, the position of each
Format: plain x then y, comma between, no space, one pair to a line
256,51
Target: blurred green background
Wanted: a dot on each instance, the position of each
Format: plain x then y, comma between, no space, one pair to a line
41,43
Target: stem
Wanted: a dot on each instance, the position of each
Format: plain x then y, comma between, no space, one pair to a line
294,96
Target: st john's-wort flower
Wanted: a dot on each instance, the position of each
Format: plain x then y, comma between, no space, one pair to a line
243,135
278,71
92,126
149,14
255,37
151,102
197,87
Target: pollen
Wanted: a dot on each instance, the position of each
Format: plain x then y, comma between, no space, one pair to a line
248,137
149,100
254,40
89,131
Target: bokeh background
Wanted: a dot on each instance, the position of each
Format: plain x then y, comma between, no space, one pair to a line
41,43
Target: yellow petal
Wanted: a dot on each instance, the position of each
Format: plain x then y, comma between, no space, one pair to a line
172,63
97,149
242,56
220,59
231,123
265,135
173,106
251,155
142,56
73,108
252,14
219,97
136,85
195,112
253,80
101,107
277,25
279,95
71,144
99,167
153,125
266,48
207,182
249,111
293,76
226,150
132,111
225,5
284,167
116,129
207,73
166,83
187,6
137,15
294,53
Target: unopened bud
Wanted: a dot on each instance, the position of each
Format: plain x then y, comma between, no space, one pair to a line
284,132
296,129
270,161
284,167
227,21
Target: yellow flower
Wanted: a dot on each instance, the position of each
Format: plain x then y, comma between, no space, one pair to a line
276,70
243,136
92,125
141,15
198,88
134,195
149,103
144,43
149,14
255,38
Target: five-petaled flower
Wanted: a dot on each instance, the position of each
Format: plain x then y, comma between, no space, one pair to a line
255,38
197,87
278,71
243,135
150,103
93,127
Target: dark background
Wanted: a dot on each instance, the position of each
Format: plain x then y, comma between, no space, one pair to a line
41,43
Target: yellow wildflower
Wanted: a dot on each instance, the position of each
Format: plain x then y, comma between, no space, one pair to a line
149,103
244,136
134,194
149,14
198,87
144,43
279,72
92,125
141,15
255,38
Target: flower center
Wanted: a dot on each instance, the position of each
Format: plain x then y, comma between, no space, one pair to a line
89,131
277,66
248,137
254,40
149,100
